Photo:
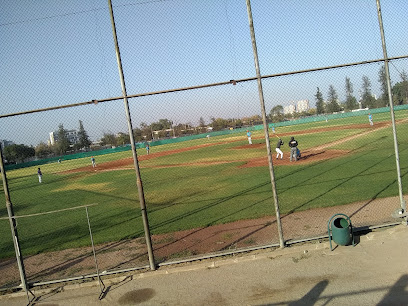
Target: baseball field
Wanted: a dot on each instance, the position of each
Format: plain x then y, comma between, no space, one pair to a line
203,183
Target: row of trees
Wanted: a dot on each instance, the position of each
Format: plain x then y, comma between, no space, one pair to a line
19,152
165,128
63,144
367,99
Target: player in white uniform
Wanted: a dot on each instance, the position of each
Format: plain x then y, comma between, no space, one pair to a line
278,150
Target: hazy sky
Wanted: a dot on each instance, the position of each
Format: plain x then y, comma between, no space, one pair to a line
56,52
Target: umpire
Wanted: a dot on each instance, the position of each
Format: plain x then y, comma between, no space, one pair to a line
293,149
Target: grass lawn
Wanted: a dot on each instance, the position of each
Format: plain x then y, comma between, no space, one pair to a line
198,195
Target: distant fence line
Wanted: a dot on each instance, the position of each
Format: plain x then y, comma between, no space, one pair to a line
141,145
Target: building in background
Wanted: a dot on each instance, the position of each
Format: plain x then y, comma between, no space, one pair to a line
289,109
302,106
5,143
72,136
296,107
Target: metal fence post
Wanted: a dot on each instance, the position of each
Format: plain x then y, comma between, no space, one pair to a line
132,142
265,123
394,130
13,225
101,284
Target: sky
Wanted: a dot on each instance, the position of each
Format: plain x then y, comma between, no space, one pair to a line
58,52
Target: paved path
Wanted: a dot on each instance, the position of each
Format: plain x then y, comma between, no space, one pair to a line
374,272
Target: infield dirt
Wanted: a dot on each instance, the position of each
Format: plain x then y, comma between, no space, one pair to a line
224,237
308,156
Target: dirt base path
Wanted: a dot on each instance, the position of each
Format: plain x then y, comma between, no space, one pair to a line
199,241
308,156
195,242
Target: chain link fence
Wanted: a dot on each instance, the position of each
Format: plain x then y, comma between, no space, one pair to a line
193,97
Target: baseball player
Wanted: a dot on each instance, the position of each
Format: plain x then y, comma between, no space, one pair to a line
370,119
293,149
39,175
93,162
278,150
249,134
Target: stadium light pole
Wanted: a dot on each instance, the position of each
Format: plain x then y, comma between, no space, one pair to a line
394,130
13,225
132,142
265,123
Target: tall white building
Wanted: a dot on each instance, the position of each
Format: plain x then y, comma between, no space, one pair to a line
289,109
303,106
72,136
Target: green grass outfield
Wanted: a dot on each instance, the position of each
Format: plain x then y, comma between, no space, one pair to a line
198,195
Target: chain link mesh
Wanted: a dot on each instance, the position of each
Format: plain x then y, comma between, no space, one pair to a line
207,189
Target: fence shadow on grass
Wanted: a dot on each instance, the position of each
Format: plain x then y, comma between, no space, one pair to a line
345,181
346,161
333,188
219,219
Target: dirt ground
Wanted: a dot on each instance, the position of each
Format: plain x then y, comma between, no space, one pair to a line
199,241
195,242
308,156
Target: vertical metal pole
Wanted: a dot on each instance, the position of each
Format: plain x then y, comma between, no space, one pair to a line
132,142
101,284
394,130
13,224
265,123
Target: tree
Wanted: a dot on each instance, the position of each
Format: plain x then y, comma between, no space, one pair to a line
253,120
137,134
320,109
367,99
62,144
147,133
202,122
400,90
122,139
238,123
382,79
83,141
332,100
162,124
43,150
351,101
276,113
218,123
18,153
108,139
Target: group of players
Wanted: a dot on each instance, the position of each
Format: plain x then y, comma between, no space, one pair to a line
294,151
293,144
